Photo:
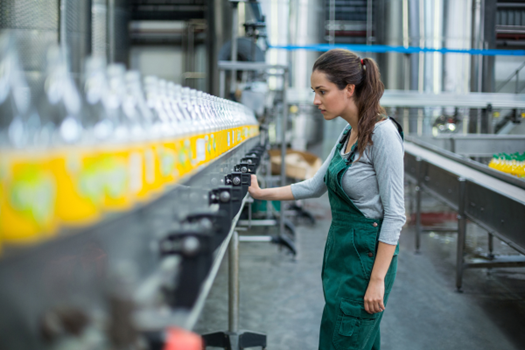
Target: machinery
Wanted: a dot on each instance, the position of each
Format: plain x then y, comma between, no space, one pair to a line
118,202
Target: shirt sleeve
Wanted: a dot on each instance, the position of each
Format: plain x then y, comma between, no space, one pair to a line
388,153
315,186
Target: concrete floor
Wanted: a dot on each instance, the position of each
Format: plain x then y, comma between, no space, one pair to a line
282,296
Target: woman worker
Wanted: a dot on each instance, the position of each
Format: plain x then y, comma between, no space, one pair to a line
364,178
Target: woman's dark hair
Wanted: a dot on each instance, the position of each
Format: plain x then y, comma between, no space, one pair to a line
343,67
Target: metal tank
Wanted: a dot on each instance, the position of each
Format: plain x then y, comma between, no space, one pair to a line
36,25
306,24
435,24
118,37
75,32
81,27
427,23
99,28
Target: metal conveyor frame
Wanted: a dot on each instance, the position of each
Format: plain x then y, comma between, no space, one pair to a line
495,202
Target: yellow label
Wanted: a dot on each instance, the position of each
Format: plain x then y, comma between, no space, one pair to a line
211,146
199,149
222,142
80,190
27,202
184,156
201,146
136,173
115,166
145,169
167,155
237,136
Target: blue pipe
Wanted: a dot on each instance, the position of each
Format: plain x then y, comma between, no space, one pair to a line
398,49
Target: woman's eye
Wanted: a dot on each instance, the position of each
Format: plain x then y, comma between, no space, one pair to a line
322,92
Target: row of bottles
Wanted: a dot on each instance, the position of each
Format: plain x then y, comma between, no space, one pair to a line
70,155
513,164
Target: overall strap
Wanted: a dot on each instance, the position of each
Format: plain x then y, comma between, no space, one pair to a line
399,128
345,135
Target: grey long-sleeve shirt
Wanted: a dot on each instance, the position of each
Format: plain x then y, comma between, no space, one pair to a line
374,183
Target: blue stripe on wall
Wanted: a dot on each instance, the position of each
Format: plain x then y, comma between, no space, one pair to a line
398,49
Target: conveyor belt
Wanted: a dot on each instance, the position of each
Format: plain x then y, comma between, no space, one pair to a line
466,172
140,258
493,201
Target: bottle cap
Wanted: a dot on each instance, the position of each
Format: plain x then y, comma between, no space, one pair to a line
180,339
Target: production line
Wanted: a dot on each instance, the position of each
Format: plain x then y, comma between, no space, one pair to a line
113,266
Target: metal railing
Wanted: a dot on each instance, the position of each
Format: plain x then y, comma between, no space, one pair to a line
516,74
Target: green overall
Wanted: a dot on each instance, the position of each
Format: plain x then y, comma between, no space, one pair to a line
349,256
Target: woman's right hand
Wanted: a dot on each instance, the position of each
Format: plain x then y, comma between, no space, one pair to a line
254,189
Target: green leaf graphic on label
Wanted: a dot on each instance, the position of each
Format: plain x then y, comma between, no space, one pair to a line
33,194
115,177
167,164
182,156
91,183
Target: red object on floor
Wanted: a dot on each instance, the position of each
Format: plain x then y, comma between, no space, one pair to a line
431,219
181,339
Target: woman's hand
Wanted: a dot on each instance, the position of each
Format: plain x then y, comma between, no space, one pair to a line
374,296
254,189
270,194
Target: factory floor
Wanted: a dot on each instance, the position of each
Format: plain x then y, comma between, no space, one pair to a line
282,296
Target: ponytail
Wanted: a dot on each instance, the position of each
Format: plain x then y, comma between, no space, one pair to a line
368,94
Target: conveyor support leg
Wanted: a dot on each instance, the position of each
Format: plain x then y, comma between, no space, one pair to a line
462,233
234,339
418,203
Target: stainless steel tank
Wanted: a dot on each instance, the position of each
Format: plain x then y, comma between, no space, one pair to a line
36,25
81,27
433,24
306,26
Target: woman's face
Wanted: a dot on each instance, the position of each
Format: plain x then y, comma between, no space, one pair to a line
328,98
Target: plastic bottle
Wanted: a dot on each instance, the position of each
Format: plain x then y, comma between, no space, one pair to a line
219,138
75,155
165,150
27,184
520,170
501,162
493,162
183,142
148,138
174,116
229,126
218,126
196,126
211,127
118,166
513,164
141,150
202,138
504,163
157,104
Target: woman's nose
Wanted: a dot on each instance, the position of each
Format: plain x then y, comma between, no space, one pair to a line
317,101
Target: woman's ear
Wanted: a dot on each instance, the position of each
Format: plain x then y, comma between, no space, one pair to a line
350,89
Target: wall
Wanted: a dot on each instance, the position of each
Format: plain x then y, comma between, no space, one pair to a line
163,61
